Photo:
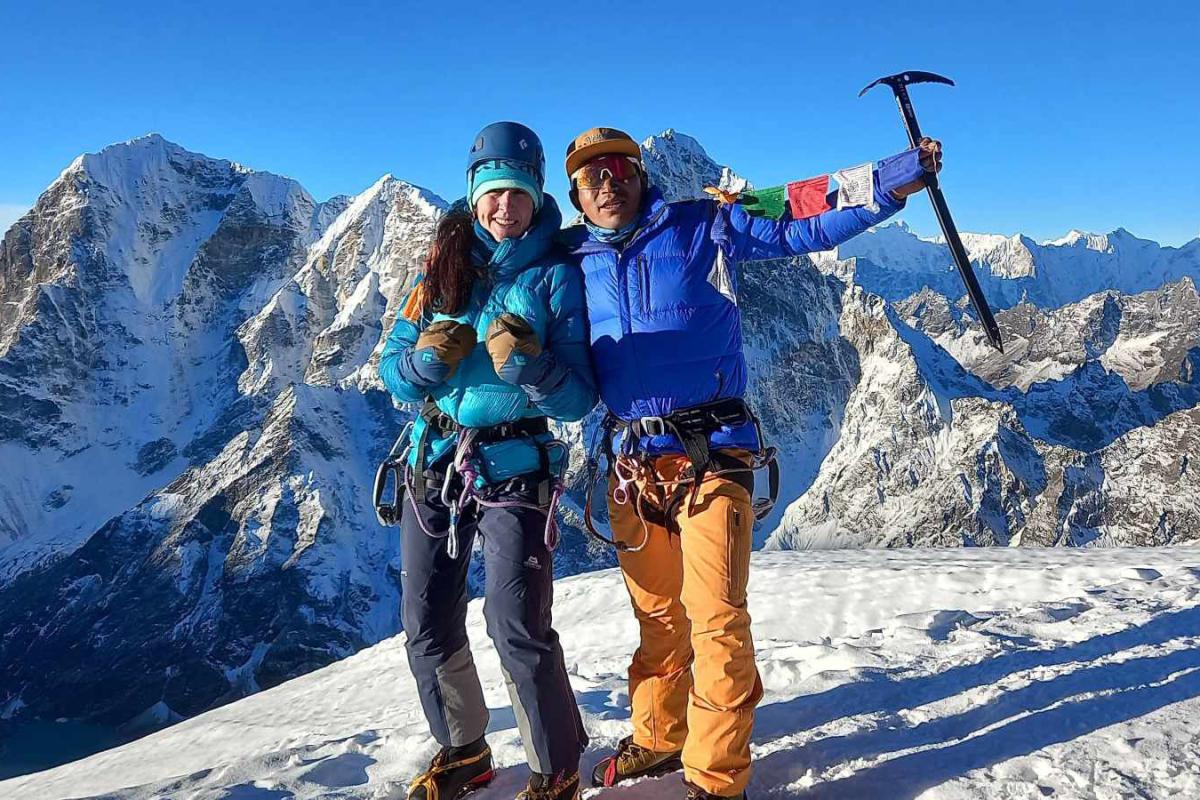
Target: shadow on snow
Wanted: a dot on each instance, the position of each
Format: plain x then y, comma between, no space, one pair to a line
1124,691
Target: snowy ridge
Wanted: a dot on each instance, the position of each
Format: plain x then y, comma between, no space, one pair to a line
894,263
982,674
681,168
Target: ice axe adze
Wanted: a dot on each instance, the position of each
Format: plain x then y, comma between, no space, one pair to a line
899,85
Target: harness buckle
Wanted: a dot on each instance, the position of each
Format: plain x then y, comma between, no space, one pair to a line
653,426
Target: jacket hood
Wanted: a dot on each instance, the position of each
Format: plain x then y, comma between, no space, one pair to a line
514,255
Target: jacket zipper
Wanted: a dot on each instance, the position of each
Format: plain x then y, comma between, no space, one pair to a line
623,269
644,279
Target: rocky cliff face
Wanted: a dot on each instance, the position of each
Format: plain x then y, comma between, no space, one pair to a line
193,420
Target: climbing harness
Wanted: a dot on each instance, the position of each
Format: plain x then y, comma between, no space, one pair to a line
692,426
464,481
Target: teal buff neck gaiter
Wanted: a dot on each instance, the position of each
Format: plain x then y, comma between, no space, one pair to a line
611,235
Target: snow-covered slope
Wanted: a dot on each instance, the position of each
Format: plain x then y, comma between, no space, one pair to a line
982,674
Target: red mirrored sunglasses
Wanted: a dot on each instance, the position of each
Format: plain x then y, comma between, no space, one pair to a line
594,173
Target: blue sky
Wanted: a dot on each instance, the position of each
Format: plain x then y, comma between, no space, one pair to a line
1066,115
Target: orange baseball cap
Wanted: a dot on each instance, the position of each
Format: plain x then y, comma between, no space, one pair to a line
599,142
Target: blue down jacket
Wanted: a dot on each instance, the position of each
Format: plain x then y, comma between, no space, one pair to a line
530,277
665,326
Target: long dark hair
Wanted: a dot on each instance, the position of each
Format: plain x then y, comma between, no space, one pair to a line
450,272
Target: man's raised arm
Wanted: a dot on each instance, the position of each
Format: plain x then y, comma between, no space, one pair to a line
755,234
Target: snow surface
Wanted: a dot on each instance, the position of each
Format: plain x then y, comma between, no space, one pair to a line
990,673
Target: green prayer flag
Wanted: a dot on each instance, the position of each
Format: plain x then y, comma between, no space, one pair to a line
770,202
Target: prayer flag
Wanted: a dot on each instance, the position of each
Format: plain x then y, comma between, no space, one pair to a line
809,197
856,187
769,202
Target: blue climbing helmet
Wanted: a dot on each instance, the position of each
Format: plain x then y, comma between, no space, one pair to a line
506,154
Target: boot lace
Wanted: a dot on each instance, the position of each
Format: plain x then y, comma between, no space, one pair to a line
555,788
440,765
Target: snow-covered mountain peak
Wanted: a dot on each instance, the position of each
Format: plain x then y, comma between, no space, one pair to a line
149,208
278,199
126,166
898,248
1099,242
674,140
1004,256
338,307
377,201
682,169
1070,239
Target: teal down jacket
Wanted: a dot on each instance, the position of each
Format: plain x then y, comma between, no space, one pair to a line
533,278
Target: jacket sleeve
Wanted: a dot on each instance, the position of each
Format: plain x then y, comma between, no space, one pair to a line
573,394
394,364
755,238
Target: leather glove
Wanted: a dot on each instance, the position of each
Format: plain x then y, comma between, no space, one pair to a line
439,350
517,352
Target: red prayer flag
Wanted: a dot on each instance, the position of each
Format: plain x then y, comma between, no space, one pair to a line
808,198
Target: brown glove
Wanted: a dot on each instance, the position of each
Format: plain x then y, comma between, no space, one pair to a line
509,335
448,341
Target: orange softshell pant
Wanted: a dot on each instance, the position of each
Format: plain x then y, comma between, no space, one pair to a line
693,684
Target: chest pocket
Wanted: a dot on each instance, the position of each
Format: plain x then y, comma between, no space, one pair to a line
691,270
699,278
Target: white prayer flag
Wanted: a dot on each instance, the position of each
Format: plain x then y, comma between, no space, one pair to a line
856,187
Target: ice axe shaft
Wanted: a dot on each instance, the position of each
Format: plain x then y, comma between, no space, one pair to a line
899,86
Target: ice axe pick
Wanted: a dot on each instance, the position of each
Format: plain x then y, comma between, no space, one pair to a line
899,86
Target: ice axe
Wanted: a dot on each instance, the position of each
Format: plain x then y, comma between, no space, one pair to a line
899,85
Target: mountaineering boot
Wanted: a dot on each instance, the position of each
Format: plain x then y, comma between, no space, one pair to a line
634,761
560,786
454,772
694,792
